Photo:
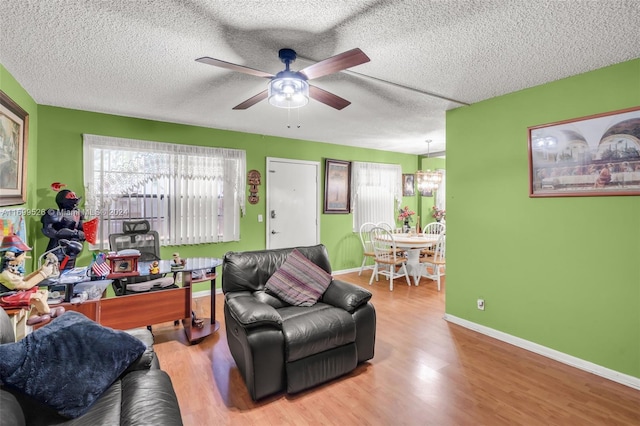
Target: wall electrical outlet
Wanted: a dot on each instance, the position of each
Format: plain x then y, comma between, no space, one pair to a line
481,304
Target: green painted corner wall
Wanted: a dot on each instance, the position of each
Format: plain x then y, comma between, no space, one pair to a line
559,272
16,92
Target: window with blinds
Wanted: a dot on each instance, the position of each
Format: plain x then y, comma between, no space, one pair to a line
189,194
376,192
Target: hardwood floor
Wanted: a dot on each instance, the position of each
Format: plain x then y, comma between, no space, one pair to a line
426,371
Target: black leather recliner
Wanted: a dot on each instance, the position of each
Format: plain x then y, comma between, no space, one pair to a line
278,346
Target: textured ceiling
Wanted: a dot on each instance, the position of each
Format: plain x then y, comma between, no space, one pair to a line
137,58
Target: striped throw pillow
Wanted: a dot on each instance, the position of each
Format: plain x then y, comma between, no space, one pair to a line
299,281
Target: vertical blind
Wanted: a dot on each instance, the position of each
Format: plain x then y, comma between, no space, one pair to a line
189,194
376,192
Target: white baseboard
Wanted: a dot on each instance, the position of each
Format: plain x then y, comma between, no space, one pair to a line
625,379
346,271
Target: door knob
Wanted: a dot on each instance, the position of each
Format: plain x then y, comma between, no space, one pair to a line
274,232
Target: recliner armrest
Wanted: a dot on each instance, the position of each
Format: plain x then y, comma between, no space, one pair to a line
345,295
148,359
250,312
148,398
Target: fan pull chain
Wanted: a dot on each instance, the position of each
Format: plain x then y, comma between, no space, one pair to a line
289,118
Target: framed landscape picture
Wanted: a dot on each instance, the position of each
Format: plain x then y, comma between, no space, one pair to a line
589,156
337,186
14,124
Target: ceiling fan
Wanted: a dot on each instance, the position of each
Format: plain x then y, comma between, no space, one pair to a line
290,89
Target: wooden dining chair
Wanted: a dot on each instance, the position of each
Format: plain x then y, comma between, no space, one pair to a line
385,225
367,247
434,266
387,261
432,229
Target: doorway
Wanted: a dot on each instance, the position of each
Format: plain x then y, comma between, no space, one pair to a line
293,203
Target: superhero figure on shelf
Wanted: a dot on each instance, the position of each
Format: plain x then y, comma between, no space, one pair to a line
64,227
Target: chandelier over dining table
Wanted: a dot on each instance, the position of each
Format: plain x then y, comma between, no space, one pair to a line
428,180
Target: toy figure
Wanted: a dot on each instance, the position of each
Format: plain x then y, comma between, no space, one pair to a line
154,268
64,227
26,292
178,263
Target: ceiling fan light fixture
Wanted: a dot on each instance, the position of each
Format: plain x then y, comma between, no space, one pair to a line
288,92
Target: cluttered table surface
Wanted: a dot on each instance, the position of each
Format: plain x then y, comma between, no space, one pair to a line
132,309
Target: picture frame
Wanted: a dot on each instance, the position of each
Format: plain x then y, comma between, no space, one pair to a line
408,185
12,221
337,186
596,155
14,131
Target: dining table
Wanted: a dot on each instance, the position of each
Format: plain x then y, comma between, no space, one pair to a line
413,243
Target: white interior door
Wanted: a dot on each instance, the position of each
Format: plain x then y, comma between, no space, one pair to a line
293,203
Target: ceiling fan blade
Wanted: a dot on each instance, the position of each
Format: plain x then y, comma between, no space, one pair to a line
327,98
336,63
252,100
233,67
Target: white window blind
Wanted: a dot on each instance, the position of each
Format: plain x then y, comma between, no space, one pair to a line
376,192
189,194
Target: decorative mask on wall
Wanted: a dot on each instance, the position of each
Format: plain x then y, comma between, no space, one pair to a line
254,181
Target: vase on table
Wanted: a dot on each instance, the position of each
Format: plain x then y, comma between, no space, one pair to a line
406,226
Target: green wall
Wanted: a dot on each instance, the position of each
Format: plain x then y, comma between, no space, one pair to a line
61,137
13,89
560,272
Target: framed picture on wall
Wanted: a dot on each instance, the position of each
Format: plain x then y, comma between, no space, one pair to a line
337,186
408,185
14,124
589,156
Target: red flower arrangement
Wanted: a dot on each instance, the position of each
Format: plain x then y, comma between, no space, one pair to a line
405,214
438,214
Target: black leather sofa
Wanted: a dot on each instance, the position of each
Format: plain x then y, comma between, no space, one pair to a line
142,395
278,346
